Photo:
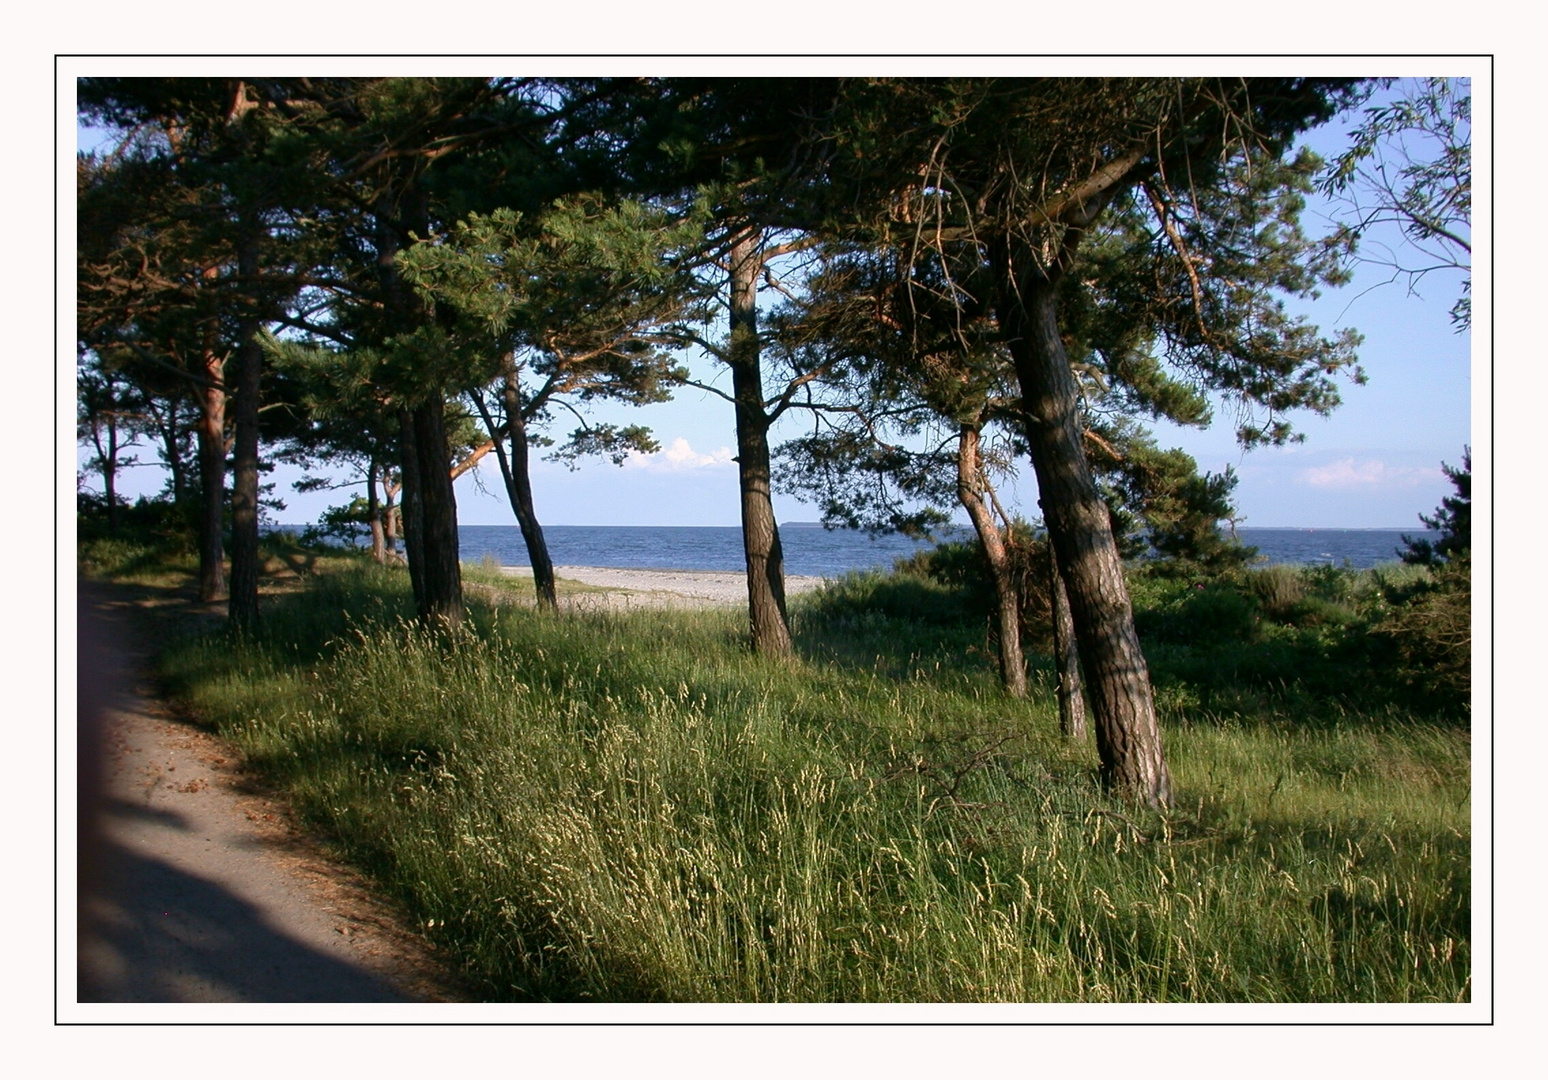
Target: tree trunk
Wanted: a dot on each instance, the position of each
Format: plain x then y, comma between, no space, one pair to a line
1072,704
374,514
212,478
770,623
440,559
244,480
1116,678
411,508
110,466
429,503
172,452
515,469
1007,604
392,524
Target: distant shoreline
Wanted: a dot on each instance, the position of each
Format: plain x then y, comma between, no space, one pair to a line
813,551
631,587
1415,530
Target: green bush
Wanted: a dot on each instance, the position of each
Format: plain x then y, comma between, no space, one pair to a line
146,533
964,567
913,597
1429,628
1194,613
1280,589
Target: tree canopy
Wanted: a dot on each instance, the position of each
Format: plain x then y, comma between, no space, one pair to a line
991,270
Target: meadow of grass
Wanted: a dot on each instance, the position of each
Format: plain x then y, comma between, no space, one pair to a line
632,807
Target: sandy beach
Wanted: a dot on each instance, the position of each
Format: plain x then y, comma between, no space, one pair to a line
630,588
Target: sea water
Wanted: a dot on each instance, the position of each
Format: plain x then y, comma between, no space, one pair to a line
809,550
813,550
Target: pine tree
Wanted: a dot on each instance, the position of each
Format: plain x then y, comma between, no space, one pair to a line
558,309
1167,206
1453,519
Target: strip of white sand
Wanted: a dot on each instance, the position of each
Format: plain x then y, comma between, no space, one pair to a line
628,587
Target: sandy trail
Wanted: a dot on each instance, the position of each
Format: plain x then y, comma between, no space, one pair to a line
195,885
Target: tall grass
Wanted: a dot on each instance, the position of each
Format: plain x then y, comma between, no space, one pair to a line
631,807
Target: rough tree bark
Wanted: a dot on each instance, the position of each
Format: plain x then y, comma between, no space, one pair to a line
1072,704
970,482
243,608
1117,681
760,532
440,569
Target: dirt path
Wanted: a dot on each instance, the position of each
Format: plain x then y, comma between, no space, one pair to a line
196,885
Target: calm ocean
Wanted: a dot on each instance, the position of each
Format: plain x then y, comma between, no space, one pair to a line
820,552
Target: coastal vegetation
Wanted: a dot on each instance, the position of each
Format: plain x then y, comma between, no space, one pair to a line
352,272
630,806
887,790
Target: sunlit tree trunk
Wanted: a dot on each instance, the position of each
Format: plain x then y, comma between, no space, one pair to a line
1117,681
411,516
970,482
374,514
760,532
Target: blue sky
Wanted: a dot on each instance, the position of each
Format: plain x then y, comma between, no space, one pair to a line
1374,463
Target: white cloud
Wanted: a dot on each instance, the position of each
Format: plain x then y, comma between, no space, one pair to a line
1350,474
678,456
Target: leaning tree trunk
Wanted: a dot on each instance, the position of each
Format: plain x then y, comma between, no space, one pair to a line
212,477
1117,681
516,471
1072,705
770,623
1007,602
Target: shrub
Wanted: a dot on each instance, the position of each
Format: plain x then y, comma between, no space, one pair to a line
1219,612
1209,613
961,565
912,597
1430,628
145,531
1279,589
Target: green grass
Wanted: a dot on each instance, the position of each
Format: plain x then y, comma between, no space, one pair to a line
631,807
